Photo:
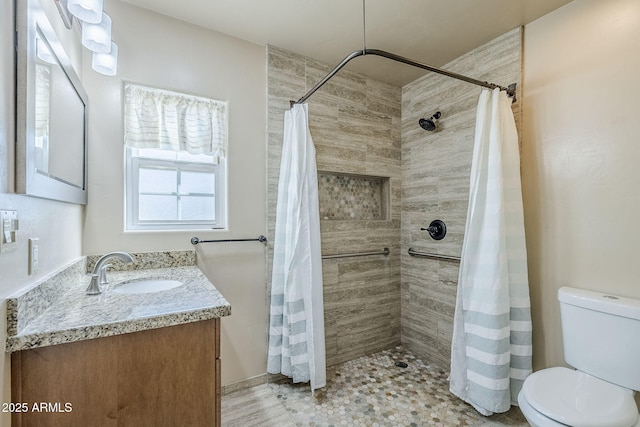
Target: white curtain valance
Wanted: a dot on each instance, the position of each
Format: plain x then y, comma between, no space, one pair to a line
155,118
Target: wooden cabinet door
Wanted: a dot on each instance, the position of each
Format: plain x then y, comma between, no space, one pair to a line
159,377
82,374
167,373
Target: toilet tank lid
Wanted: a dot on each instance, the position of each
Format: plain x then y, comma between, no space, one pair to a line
600,301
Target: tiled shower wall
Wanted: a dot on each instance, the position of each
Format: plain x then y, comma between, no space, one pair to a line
372,303
355,124
435,185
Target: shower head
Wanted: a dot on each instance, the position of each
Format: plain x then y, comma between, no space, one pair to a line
431,123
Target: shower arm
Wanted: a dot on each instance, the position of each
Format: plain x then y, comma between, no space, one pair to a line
511,89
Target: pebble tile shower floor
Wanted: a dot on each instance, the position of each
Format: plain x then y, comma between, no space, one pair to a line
368,391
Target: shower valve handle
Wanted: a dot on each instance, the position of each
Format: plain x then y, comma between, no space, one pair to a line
437,229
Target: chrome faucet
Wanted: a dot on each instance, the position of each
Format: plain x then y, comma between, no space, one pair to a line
99,275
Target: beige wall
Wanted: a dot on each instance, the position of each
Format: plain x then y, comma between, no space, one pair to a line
162,52
580,158
57,224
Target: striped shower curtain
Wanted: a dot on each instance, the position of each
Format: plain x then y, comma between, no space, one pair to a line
491,348
296,329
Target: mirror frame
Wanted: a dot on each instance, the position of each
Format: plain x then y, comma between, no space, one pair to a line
29,18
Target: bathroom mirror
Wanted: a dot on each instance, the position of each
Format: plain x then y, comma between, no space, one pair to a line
51,110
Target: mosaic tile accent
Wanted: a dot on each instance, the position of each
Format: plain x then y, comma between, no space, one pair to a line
350,197
367,391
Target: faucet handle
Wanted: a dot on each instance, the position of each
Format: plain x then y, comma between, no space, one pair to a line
102,274
99,276
94,288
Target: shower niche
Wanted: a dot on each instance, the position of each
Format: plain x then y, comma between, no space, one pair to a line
353,197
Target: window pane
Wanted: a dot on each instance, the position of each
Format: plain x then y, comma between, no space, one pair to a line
157,181
158,208
197,182
197,208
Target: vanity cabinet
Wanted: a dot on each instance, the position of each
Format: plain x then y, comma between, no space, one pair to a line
159,377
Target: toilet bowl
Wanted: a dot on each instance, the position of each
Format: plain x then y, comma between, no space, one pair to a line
601,339
564,397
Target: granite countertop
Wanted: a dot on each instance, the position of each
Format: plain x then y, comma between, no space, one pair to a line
74,316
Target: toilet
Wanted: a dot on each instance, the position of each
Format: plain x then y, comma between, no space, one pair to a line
601,337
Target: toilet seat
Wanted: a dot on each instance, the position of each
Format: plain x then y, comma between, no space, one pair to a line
535,418
578,399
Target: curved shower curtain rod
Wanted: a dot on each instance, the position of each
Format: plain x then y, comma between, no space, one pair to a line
511,89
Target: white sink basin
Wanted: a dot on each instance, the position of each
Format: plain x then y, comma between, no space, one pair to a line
146,286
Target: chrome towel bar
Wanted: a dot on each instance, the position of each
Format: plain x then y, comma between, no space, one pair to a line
261,238
384,252
413,252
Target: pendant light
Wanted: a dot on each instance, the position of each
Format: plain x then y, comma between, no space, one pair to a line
106,63
86,10
97,37
43,52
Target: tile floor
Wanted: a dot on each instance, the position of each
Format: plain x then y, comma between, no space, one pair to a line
368,391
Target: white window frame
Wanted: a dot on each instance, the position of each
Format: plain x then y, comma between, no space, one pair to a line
132,168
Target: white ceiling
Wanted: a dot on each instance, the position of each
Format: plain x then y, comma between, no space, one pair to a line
428,31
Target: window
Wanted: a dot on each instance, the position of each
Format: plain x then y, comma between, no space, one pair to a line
173,190
175,147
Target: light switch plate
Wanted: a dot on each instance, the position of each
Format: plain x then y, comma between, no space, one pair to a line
8,230
33,255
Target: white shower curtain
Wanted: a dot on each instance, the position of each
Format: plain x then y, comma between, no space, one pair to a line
491,348
296,333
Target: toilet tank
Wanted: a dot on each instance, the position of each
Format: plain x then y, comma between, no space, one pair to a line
601,335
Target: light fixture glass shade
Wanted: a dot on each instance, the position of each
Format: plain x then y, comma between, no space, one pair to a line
106,63
86,10
43,52
97,37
